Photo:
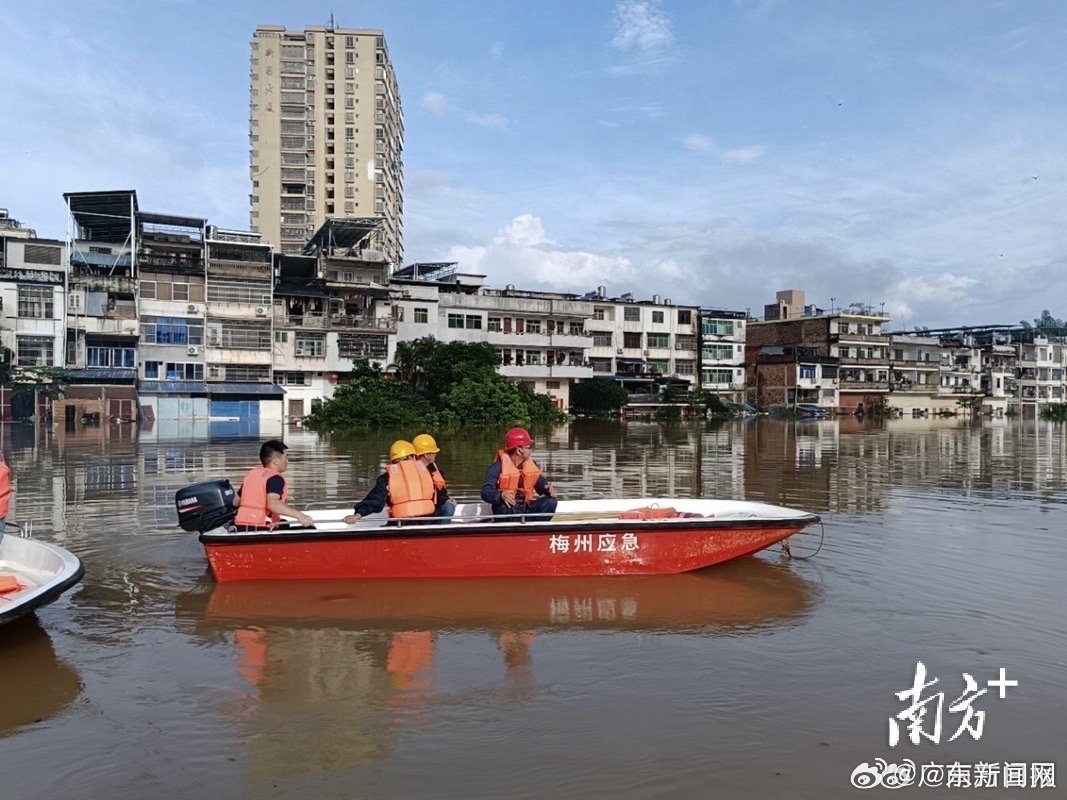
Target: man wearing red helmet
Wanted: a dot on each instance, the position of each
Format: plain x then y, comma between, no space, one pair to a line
514,483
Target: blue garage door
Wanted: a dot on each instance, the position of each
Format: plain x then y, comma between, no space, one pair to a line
234,418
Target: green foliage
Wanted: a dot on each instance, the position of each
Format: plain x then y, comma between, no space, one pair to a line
598,398
1056,412
435,385
1046,324
47,381
371,401
452,363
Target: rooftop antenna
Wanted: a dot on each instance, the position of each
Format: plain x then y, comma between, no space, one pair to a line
330,25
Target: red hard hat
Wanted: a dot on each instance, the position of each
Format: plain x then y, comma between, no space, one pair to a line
517,437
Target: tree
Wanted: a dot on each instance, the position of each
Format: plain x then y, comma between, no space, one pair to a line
598,398
451,363
1046,324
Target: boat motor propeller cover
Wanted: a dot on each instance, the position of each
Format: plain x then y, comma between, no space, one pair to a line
205,506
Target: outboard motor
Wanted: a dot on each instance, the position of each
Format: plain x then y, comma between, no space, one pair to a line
205,506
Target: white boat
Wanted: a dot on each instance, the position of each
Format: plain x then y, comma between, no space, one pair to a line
33,574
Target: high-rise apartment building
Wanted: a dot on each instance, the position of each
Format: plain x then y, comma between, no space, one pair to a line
326,133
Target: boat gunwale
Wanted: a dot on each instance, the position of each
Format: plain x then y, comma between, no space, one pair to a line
44,594
496,528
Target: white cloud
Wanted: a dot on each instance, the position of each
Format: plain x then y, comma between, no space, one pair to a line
698,143
523,253
496,49
642,37
439,105
495,121
743,155
640,25
434,102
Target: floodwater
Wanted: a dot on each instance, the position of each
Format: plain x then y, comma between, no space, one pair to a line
769,677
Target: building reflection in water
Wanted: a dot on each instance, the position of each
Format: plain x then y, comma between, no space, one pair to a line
337,669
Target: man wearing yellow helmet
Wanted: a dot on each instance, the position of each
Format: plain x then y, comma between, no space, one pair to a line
426,451
405,486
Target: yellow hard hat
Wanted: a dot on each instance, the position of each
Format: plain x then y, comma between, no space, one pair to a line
401,449
424,443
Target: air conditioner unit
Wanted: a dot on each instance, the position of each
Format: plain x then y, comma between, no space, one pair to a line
261,311
193,350
192,308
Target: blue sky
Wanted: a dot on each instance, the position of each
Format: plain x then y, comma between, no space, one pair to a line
911,154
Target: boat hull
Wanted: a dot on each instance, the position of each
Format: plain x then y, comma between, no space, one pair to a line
42,571
493,550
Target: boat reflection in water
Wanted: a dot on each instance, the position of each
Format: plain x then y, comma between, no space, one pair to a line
338,668
37,685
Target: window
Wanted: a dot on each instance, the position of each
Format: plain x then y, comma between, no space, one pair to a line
717,352
422,316
310,345
659,366
455,320
716,327
533,326
115,356
686,367
552,384
632,340
494,324
534,357
577,329
807,372
173,371
657,316
598,313
474,321
685,317
35,302
291,379
717,376
601,339
659,340
281,337
36,351
631,314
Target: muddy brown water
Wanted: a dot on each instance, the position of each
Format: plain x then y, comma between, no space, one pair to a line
767,677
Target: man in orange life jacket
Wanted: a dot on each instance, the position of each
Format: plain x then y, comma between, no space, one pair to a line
406,487
426,451
513,480
260,502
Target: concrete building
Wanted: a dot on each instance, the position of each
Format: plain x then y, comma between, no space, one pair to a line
31,309
541,336
640,343
722,353
326,134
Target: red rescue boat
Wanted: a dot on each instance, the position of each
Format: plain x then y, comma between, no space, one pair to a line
645,536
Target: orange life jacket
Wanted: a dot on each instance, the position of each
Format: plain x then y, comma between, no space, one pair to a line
411,492
515,479
253,509
439,481
5,489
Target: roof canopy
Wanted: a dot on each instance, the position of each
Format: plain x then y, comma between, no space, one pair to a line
103,216
340,233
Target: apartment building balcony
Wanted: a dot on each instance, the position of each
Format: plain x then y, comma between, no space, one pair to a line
238,270
859,338
545,371
863,386
848,361
98,282
514,302
105,326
